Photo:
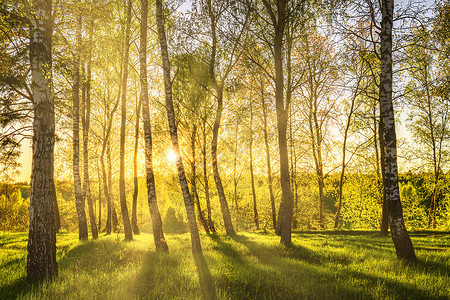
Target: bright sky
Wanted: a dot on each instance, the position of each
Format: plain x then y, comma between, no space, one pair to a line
25,160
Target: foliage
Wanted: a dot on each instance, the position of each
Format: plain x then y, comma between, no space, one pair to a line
173,221
14,207
14,91
414,211
361,208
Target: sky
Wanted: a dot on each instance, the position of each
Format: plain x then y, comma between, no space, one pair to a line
25,160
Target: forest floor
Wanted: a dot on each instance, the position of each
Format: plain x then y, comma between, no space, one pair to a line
319,265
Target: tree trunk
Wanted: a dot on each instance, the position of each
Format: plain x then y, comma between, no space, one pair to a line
189,204
321,196
56,212
289,89
255,209
123,196
107,177
106,188
316,144
206,181
399,234
286,205
136,183
158,234
194,179
235,177
79,200
319,164
432,211
219,96
86,116
201,217
222,199
384,227
293,174
106,192
344,152
269,171
295,222
41,259
99,198
114,219
436,154
106,185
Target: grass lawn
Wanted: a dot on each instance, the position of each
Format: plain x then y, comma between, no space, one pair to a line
319,265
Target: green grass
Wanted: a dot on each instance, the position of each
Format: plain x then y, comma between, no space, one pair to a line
319,265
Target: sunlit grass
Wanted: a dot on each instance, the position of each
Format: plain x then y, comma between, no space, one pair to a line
250,266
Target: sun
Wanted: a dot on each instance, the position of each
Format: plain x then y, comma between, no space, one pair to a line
171,156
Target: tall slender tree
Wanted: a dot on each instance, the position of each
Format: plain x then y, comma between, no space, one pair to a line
135,169
188,203
400,237
86,116
79,200
278,21
236,173
344,148
99,178
41,258
195,195
123,197
106,175
158,233
252,176
384,226
205,172
218,84
267,149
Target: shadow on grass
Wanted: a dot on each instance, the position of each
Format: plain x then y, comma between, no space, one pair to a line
337,232
430,267
232,278
294,251
7,238
163,276
427,233
206,283
147,275
273,277
394,287
17,288
11,262
105,253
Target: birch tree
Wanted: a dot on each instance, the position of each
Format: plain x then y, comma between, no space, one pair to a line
400,237
158,234
85,117
123,199
218,80
41,258
79,200
278,21
188,203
